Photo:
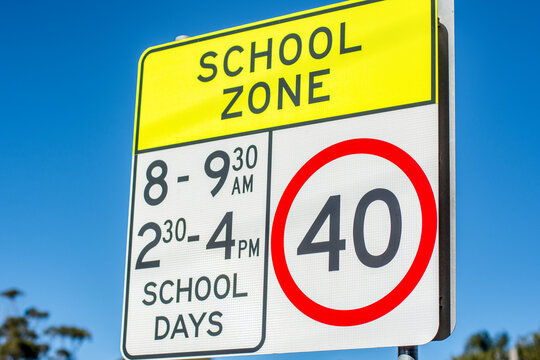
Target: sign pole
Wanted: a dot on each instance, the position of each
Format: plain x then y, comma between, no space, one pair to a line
408,353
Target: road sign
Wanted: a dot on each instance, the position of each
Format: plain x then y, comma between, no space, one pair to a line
287,186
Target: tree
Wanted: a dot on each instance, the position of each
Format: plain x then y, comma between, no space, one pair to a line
481,346
74,335
528,348
21,340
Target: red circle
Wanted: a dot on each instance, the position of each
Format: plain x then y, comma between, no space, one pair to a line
420,263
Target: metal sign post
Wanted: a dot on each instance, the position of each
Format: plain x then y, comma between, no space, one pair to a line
408,353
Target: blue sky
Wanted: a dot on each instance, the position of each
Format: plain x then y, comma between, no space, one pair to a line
67,100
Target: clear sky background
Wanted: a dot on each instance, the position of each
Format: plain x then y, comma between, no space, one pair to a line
67,99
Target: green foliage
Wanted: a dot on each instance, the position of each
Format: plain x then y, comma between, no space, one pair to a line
528,348
34,313
11,294
20,339
63,354
69,332
481,346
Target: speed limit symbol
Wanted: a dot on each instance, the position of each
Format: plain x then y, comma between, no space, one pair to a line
334,245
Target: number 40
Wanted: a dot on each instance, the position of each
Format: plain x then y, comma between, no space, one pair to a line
334,245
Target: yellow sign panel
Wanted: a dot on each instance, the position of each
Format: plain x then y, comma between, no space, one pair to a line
349,58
